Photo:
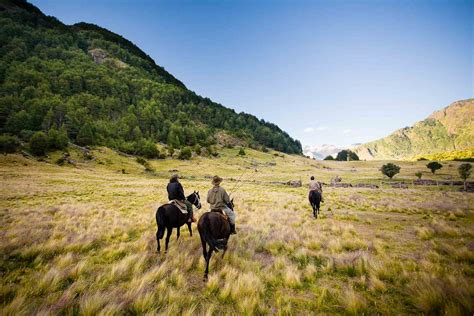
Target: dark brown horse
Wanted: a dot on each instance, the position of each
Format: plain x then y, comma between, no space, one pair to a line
214,230
315,201
169,216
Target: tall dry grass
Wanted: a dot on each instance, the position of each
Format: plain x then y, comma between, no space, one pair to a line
82,241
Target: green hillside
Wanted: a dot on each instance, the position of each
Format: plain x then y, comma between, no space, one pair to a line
100,89
447,130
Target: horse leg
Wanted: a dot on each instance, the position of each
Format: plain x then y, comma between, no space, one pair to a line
158,240
178,230
204,246
190,230
208,259
169,230
223,252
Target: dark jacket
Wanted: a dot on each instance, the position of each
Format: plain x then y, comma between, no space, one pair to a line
175,191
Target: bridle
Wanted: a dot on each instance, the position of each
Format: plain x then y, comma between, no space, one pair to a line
197,200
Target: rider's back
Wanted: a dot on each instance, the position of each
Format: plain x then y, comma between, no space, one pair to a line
175,191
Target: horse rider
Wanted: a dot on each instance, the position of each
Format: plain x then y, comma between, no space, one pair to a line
218,198
316,186
176,192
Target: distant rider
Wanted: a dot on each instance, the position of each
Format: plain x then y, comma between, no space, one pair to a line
176,192
218,198
316,186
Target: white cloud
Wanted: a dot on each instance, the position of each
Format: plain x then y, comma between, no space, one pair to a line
312,129
347,131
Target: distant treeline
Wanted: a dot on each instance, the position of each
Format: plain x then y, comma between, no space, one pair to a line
50,81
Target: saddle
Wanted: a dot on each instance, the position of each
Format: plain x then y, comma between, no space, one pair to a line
180,205
221,212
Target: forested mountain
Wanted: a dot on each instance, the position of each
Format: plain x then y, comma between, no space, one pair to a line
100,89
450,129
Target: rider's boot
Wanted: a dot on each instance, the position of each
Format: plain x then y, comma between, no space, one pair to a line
232,229
191,218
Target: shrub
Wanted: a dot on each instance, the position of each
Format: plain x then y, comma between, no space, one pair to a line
147,148
433,166
197,149
39,144
185,154
329,158
464,172
127,147
57,139
9,144
86,135
241,151
346,154
141,161
145,164
390,170
418,175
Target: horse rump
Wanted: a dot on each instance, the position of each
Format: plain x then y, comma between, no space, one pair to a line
160,222
211,230
314,197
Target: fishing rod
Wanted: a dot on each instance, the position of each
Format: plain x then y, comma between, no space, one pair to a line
237,182
240,181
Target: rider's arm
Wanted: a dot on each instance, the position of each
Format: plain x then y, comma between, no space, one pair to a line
181,192
225,196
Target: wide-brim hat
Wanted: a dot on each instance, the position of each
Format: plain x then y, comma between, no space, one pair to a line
216,180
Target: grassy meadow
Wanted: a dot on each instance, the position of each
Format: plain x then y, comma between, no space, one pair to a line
81,239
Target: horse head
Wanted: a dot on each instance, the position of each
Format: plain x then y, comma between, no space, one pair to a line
195,199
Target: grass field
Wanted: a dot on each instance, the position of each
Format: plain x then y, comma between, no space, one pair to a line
81,240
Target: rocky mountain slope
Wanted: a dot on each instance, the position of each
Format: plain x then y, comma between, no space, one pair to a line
450,129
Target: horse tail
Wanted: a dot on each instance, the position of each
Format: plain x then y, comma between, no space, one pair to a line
208,238
160,221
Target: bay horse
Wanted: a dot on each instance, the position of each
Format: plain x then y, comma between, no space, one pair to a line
315,201
214,230
168,216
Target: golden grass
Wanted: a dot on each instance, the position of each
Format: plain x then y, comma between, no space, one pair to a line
82,241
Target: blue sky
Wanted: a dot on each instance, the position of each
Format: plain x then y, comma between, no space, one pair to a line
328,72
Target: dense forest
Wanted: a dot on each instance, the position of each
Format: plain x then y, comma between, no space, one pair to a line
89,86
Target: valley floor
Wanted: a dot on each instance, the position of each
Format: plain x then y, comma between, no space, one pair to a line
81,240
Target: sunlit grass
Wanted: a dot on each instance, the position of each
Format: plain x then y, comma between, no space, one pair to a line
82,241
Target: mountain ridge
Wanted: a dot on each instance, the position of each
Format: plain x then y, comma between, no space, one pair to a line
446,130
50,80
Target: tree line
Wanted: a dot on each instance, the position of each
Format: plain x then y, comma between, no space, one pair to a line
50,84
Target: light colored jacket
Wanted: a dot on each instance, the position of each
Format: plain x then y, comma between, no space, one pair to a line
218,198
315,186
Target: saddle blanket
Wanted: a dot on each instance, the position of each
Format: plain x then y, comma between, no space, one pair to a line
180,205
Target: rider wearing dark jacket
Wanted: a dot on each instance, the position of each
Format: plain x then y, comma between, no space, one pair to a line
176,192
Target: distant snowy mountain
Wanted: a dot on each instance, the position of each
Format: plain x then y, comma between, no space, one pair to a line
321,151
